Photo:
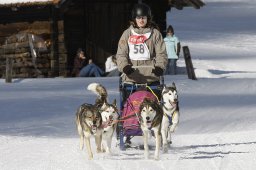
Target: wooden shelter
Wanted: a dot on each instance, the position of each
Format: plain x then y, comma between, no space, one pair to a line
65,26
34,17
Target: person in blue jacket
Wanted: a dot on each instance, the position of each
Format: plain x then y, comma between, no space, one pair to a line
173,50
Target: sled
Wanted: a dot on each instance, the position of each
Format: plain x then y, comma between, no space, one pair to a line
131,96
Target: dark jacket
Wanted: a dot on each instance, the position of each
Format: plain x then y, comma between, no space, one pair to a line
78,65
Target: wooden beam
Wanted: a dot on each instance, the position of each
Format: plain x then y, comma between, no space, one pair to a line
189,65
179,4
199,2
192,3
8,75
54,44
24,14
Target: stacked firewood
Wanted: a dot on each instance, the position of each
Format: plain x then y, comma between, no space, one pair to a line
27,61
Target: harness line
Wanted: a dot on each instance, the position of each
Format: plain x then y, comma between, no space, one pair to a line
153,92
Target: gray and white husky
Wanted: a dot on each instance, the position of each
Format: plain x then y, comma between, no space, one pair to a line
89,119
150,120
170,114
109,115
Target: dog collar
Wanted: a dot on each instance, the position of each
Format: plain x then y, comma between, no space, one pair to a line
149,128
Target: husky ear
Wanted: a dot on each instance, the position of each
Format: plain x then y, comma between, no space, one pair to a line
114,102
164,86
103,106
164,89
173,85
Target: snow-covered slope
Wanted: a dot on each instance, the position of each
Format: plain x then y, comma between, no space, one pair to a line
221,37
216,131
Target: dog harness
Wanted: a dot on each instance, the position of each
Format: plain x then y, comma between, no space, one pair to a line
170,117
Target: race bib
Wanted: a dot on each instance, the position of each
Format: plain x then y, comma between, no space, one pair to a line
138,49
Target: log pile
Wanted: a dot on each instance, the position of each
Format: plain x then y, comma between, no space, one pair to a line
14,42
25,64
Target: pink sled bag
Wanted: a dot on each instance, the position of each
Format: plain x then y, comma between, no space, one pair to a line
132,106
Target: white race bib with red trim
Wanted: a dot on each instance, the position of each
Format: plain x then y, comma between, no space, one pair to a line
138,49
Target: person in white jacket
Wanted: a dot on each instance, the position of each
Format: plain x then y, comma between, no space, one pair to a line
111,66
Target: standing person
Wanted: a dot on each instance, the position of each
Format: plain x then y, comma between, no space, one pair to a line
82,68
173,50
111,66
141,53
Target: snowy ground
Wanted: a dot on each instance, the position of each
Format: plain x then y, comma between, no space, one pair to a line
218,121
221,37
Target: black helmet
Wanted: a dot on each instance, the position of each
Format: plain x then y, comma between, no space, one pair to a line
141,10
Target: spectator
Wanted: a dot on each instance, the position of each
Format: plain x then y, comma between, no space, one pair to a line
173,50
111,67
82,69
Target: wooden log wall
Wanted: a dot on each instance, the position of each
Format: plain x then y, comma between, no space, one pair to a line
104,25
95,26
74,36
14,43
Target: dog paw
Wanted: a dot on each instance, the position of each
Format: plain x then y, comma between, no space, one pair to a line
109,153
172,128
99,150
90,157
117,143
146,155
169,142
165,148
156,158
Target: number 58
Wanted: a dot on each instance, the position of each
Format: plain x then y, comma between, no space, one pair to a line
139,49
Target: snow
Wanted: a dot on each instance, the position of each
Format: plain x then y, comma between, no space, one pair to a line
217,124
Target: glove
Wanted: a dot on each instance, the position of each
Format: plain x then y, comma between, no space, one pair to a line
128,69
158,71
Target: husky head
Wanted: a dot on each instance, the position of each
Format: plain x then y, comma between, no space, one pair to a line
93,120
151,113
170,96
109,113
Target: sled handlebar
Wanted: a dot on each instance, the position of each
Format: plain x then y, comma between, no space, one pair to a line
143,67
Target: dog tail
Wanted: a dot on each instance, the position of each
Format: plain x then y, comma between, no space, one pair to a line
99,90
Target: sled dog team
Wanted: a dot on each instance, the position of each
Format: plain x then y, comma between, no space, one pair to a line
100,120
